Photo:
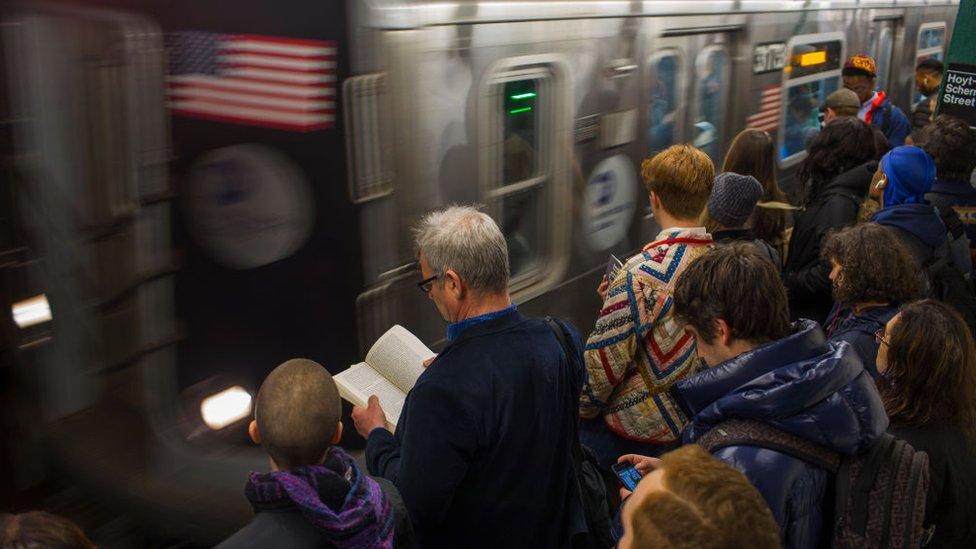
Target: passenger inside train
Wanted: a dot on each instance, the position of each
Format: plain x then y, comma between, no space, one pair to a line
215,224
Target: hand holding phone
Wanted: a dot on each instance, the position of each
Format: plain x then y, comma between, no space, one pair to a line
628,474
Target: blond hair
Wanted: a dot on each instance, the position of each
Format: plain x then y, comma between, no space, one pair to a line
708,504
681,177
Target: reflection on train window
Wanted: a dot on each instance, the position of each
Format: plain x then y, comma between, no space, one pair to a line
931,41
521,126
931,38
712,68
663,107
517,190
801,113
522,223
811,74
883,57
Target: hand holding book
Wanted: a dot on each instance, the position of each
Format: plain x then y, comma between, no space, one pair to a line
390,370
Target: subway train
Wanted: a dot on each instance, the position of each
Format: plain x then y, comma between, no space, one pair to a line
197,191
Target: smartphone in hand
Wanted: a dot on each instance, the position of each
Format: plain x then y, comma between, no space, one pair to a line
628,474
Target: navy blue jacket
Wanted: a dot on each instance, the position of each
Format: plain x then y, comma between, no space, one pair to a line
858,330
800,384
921,230
896,129
482,451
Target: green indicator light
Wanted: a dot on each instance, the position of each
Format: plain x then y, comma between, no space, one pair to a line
527,95
520,110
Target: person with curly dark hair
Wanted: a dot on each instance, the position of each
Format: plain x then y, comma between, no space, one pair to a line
872,274
952,145
927,361
835,176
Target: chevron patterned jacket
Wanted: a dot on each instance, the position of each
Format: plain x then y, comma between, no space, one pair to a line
637,349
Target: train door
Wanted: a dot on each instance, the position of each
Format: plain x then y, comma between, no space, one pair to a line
881,47
930,44
687,93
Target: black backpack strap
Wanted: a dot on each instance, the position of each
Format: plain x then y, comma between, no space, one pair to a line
577,448
952,222
744,432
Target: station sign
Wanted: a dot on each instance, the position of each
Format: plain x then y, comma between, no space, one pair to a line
959,92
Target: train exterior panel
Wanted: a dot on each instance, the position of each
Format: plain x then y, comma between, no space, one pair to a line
276,237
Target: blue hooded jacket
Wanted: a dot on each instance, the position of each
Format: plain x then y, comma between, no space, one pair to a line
919,220
858,330
800,384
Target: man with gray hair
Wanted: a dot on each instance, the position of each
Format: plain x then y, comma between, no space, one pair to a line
482,451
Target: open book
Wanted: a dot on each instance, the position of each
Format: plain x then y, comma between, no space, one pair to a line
390,370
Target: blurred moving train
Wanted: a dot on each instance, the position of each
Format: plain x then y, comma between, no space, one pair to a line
196,191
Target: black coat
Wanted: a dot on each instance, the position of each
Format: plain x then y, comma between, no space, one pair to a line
834,205
952,481
482,451
285,526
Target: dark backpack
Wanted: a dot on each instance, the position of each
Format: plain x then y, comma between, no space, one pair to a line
878,497
948,285
595,484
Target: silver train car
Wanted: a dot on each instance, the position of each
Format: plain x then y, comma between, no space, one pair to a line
199,191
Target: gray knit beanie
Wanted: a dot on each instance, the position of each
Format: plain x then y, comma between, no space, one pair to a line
733,198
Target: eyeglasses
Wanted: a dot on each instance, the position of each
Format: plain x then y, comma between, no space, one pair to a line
426,284
879,337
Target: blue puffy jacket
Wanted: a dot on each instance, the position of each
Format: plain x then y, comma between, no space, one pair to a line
800,384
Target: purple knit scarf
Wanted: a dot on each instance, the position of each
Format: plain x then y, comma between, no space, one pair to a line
365,518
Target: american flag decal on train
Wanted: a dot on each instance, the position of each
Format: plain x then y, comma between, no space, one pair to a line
281,83
767,118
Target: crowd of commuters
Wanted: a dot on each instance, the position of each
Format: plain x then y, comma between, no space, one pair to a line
747,353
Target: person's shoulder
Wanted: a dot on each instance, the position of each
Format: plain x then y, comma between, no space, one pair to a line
286,528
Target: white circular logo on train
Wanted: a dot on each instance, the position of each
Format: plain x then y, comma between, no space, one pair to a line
248,206
609,202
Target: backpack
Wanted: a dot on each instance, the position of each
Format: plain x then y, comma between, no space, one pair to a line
878,498
948,285
595,484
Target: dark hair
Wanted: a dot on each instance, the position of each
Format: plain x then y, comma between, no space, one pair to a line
738,284
875,266
930,64
952,144
931,369
753,152
41,529
297,410
844,143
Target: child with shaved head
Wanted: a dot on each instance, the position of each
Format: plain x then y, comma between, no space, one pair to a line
315,494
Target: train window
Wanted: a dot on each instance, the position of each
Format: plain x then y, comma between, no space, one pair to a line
713,69
520,160
663,106
812,73
931,44
516,189
883,56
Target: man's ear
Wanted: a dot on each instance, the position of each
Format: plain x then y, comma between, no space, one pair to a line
252,431
723,332
452,284
337,436
655,201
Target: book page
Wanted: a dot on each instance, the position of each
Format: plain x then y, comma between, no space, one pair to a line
399,356
360,381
